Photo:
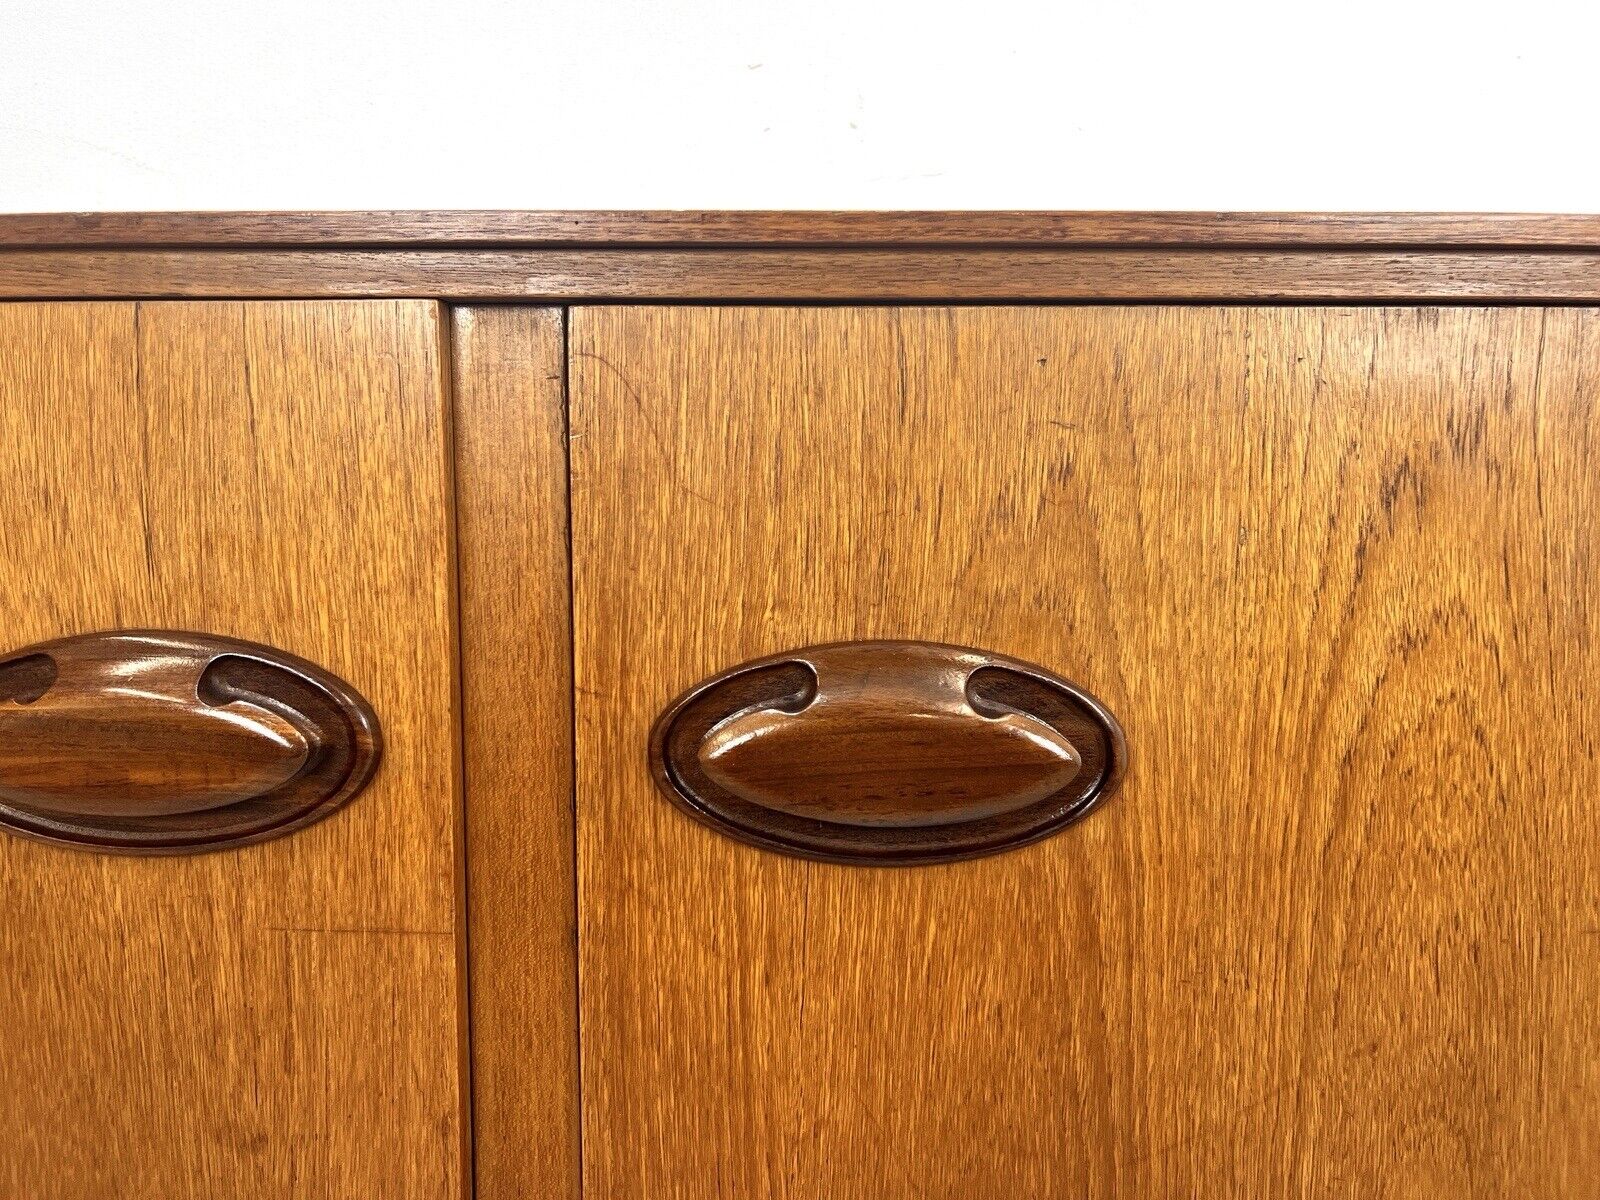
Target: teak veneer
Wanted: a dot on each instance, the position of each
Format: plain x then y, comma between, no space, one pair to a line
881,705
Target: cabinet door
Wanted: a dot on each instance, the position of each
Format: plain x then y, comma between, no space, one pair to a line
1333,571
281,1019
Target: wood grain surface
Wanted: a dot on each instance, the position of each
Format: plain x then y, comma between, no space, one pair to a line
282,1020
903,274
505,228
517,713
1334,571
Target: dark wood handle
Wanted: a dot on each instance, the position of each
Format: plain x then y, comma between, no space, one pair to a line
160,742
887,752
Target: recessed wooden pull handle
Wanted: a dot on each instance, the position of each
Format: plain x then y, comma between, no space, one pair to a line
887,752
161,743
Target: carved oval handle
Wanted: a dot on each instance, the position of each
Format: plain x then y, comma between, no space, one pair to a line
887,752
150,742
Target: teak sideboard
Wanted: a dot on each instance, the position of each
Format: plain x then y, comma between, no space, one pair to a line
813,705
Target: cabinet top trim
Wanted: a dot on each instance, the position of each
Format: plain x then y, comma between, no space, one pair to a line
610,229
807,257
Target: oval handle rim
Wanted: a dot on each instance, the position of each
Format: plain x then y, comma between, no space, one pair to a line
220,674
864,844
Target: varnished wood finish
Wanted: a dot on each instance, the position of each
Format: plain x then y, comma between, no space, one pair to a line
282,1020
167,742
1332,568
832,275
886,753
674,228
517,711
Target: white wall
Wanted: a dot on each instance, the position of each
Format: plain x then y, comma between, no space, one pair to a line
720,103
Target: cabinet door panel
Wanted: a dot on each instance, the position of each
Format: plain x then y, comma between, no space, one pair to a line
1331,568
283,1019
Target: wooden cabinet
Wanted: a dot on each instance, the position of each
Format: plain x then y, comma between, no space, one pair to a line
725,744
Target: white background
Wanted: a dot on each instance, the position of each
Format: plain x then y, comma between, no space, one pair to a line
718,103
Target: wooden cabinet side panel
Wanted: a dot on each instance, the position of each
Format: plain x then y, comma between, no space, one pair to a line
1333,571
284,1019
517,713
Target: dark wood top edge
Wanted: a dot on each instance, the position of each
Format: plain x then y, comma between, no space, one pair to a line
799,275
733,229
